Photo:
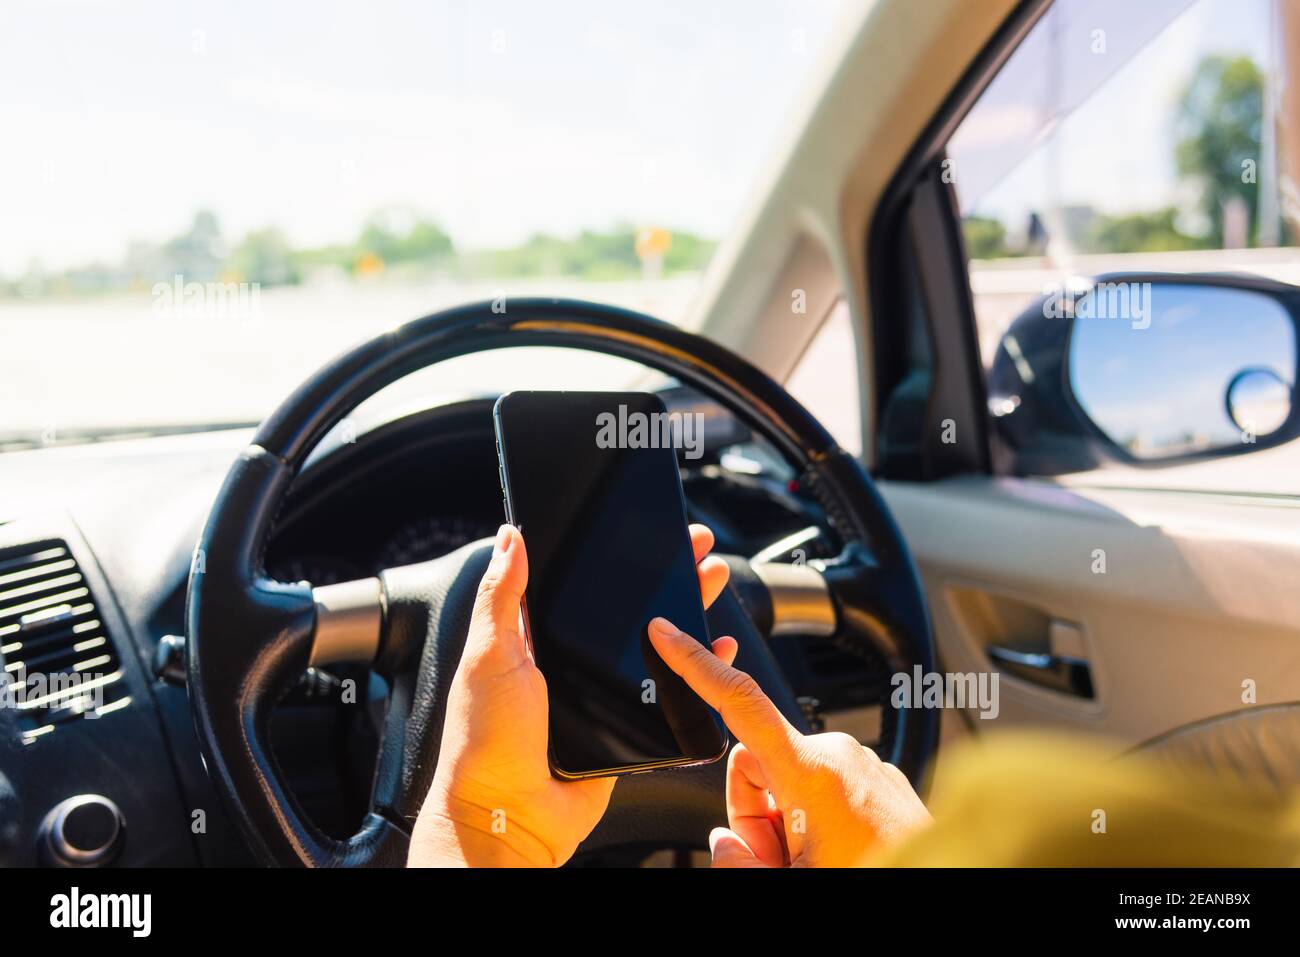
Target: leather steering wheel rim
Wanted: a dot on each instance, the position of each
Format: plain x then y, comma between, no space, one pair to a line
250,637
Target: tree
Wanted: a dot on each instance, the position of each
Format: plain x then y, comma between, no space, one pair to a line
1141,232
1218,127
986,238
398,236
264,256
195,254
590,255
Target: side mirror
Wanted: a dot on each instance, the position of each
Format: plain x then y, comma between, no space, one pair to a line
1166,367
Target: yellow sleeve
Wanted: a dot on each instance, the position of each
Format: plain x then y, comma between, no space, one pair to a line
1034,800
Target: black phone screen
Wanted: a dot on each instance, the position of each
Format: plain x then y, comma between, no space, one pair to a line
598,499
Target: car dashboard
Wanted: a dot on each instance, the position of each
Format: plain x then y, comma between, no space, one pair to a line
97,542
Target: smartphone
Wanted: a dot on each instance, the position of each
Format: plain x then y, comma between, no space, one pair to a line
591,481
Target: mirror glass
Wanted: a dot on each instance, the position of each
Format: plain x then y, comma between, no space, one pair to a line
1166,369
1258,401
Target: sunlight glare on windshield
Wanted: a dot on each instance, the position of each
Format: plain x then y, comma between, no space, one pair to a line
197,215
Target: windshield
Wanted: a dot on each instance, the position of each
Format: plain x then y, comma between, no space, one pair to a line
198,213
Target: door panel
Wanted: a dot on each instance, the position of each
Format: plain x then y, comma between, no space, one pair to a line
1198,594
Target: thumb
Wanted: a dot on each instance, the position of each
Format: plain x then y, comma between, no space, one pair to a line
494,627
729,850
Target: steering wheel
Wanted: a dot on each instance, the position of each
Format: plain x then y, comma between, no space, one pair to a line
249,637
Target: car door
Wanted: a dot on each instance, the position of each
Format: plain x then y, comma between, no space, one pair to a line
1100,514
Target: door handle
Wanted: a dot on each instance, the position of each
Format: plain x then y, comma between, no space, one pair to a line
1062,673
1026,640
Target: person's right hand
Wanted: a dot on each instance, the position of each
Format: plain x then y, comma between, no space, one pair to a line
820,800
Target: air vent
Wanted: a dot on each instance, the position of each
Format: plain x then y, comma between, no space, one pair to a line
59,661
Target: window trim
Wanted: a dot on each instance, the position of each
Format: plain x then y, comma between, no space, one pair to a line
942,297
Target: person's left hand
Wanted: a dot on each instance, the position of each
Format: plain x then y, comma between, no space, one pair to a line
493,800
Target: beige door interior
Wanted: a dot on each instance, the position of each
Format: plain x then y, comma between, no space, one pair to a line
1125,612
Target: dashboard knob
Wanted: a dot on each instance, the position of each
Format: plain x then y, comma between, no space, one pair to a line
84,831
169,659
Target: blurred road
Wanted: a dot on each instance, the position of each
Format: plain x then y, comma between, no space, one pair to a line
111,361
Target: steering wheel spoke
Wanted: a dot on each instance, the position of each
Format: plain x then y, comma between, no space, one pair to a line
349,622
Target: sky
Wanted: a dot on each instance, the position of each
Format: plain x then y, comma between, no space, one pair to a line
499,119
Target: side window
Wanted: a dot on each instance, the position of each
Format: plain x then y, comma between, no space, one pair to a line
1129,186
